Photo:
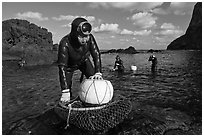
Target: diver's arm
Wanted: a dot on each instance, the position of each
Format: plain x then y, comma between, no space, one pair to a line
114,65
62,64
95,53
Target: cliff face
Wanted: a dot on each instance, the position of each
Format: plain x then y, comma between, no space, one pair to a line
27,41
192,39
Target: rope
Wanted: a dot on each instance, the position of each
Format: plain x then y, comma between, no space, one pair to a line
70,108
82,109
95,118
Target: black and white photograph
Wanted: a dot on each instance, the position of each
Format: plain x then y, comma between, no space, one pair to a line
101,68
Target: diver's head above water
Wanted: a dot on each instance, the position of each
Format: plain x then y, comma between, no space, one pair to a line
152,57
117,57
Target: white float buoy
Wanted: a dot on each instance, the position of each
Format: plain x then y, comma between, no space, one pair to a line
133,68
96,91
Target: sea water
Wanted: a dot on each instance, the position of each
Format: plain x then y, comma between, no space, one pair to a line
178,79
175,86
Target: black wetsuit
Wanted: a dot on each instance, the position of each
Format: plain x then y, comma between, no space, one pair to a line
119,65
73,56
154,63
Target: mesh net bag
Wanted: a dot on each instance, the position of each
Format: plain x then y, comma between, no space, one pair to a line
98,118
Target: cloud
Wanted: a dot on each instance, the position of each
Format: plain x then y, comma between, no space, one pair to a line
170,29
126,32
95,5
71,17
162,9
31,15
67,25
161,40
176,8
167,33
114,28
125,5
159,11
142,32
181,8
167,26
143,20
172,32
107,28
64,17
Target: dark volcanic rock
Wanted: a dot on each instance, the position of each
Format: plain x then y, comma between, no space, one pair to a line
27,41
192,39
129,50
151,51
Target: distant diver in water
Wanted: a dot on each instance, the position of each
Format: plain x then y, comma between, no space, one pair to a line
153,59
118,66
21,63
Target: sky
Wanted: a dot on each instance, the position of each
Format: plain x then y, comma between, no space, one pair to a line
143,25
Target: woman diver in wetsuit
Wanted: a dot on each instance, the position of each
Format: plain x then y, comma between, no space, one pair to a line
118,64
153,59
74,53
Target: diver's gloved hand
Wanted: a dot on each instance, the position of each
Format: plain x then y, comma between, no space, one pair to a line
98,76
65,96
